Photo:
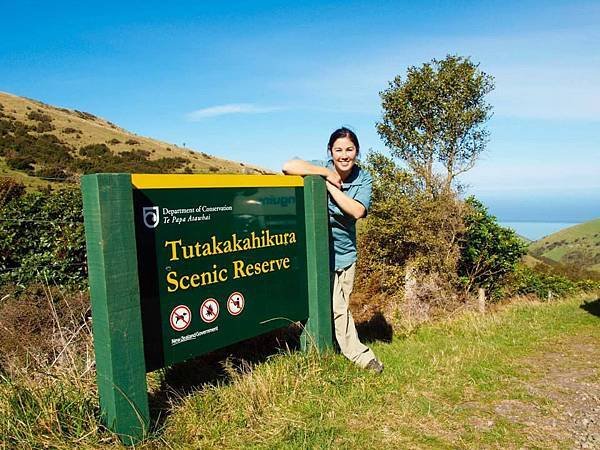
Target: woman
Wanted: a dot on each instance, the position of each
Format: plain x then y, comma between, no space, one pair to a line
349,188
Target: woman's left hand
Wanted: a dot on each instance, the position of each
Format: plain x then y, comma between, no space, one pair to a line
347,204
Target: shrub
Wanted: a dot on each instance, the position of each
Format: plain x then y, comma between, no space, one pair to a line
489,252
23,163
408,249
41,237
84,115
54,173
132,142
407,225
39,116
527,281
70,130
9,190
94,150
113,141
44,127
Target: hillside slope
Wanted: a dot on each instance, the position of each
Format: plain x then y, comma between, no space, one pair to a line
579,244
40,142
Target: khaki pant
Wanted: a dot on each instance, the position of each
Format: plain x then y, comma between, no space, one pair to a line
345,331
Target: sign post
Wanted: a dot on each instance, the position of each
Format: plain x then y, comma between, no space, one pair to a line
181,265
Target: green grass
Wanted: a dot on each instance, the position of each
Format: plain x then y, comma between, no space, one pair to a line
437,384
319,401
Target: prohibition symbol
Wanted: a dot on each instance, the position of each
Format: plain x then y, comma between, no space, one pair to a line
235,303
180,318
209,311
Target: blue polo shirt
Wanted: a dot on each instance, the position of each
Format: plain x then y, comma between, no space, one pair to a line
342,238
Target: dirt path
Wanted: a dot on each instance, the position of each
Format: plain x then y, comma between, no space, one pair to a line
564,384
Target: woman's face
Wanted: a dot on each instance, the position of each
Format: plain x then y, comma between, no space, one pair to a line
343,153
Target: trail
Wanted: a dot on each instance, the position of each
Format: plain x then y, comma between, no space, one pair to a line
568,379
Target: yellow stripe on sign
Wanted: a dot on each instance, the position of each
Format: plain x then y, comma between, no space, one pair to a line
148,181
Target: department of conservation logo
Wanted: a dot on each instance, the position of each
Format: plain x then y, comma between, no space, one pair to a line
151,216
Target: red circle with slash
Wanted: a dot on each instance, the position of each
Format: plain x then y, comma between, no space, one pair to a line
180,318
235,303
209,311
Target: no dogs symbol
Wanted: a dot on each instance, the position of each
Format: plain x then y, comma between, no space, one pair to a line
180,318
209,311
235,303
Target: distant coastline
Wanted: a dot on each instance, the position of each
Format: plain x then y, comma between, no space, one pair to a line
537,230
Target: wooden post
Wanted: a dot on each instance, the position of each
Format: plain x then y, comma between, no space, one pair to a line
116,315
318,330
481,300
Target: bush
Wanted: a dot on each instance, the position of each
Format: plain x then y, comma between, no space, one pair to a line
113,141
44,127
42,238
9,190
94,150
489,252
70,130
23,163
528,281
54,173
408,252
406,225
132,142
39,116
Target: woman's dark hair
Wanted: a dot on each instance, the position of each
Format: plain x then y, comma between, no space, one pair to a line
343,133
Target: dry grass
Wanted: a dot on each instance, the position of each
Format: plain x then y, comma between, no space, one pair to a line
95,130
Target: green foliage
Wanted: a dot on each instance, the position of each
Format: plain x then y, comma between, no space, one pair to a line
9,190
489,252
42,237
436,115
94,150
407,225
54,173
16,141
24,150
528,281
22,163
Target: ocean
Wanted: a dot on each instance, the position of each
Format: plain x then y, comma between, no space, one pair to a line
537,230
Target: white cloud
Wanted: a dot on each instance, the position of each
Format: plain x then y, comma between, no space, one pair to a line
230,108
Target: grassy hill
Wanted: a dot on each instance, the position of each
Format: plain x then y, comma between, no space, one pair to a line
579,244
41,143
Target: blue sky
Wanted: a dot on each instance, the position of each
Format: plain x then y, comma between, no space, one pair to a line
262,82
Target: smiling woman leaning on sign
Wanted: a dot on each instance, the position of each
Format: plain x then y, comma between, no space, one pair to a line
349,188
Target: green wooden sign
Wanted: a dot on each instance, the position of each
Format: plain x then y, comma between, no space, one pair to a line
181,265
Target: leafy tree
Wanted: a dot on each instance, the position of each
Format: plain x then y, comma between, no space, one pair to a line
436,115
489,251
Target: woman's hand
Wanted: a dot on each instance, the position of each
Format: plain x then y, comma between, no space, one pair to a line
334,178
348,205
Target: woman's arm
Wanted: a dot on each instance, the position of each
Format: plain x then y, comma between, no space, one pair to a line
347,204
301,167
